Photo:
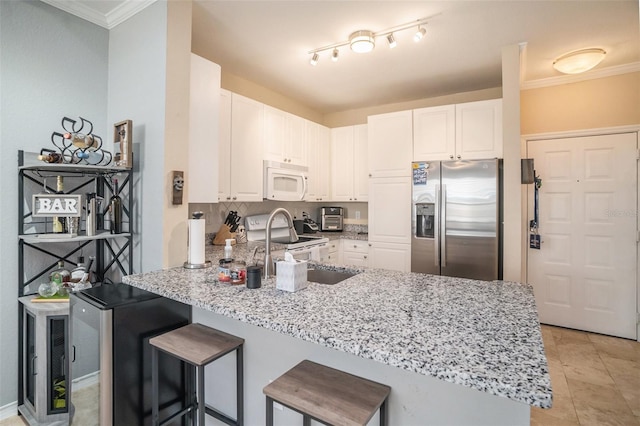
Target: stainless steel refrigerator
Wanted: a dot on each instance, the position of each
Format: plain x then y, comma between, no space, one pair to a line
457,218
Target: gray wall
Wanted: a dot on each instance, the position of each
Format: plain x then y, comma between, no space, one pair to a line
137,76
52,64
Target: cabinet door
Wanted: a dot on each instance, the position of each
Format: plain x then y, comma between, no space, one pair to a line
319,161
204,114
274,134
224,148
342,142
247,125
390,210
390,144
434,133
324,164
295,148
479,130
396,257
360,160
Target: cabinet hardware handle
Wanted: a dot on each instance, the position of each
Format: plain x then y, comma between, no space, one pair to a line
228,198
369,244
233,198
369,174
365,257
451,156
458,157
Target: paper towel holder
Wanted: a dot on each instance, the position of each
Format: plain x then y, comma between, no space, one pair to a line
206,263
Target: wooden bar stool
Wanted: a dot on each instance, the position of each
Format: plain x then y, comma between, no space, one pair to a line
197,345
327,395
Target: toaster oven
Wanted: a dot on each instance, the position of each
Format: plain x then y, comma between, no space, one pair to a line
331,218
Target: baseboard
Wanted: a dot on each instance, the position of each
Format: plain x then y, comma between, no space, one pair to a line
86,380
9,410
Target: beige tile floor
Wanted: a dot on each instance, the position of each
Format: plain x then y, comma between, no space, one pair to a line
595,380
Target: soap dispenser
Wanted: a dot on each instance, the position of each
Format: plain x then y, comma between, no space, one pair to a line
228,250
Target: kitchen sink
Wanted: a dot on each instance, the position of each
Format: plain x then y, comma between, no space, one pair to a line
325,276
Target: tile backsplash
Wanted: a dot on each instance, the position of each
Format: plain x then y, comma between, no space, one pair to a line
214,214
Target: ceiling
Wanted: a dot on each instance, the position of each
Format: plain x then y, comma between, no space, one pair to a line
267,42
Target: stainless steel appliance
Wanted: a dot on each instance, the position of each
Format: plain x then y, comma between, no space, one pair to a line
457,218
111,326
306,248
331,218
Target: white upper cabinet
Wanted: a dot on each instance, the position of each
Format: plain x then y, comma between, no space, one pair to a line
349,180
434,133
204,111
479,130
224,148
284,137
319,161
247,130
469,131
390,144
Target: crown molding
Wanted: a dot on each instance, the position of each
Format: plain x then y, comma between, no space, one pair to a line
121,13
574,78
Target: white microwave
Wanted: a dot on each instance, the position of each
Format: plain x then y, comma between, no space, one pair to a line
284,182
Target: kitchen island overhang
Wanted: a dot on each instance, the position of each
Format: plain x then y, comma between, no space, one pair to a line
482,335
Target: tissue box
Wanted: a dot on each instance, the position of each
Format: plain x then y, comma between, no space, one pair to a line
291,276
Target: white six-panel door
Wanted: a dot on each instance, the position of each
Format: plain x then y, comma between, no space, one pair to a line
584,274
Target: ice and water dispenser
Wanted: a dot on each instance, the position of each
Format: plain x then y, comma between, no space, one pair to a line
425,213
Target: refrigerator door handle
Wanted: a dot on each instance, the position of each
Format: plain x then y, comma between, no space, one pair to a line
436,228
443,239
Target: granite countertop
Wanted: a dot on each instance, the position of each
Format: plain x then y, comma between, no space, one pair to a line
479,334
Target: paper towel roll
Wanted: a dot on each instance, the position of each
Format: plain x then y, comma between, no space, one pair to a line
196,241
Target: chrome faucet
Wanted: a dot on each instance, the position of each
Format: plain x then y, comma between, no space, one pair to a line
293,237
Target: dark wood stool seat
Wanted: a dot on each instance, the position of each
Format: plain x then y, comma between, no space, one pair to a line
327,395
199,346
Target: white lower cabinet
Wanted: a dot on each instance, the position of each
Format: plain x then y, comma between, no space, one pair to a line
354,253
333,257
391,256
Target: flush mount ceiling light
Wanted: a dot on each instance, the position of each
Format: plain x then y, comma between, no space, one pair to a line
364,41
579,60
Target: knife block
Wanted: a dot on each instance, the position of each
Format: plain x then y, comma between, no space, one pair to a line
224,233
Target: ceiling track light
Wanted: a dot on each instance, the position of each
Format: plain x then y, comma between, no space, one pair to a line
392,41
364,41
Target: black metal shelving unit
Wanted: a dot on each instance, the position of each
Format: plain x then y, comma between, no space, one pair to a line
39,249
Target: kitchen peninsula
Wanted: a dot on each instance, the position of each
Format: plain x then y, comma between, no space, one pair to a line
454,351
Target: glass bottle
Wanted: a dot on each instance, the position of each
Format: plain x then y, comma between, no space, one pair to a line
51,157
78,272
60,275
59,222
115,210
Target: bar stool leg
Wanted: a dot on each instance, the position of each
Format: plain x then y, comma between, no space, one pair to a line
269,412
383,413
154,386
240,387
306,420
201,405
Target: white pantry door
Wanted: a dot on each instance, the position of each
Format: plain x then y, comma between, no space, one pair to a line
584,275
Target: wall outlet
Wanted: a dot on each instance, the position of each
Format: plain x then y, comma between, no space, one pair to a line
357,214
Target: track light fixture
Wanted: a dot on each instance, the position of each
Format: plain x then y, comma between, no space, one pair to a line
392,41
364,41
